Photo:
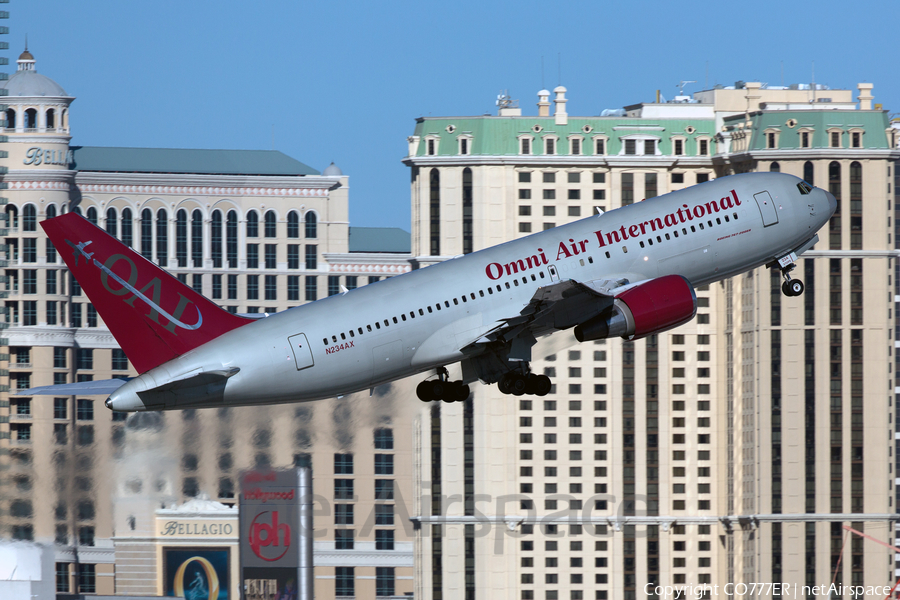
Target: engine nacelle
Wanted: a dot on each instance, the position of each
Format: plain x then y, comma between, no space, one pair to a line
652,307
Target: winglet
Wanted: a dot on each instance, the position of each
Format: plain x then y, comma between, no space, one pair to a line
153,316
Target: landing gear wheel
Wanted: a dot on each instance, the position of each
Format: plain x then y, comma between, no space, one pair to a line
519,385
438,389
457,392
505,384
542,385
796,287
423,391
786,288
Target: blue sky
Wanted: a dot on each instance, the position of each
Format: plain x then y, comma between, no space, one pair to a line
344,81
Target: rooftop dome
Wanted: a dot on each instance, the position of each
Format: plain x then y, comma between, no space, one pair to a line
28,82
332,170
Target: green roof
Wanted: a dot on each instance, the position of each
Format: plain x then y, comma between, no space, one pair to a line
184,160
379,239
873,125
499,136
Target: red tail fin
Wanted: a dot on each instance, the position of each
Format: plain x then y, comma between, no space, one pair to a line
152,315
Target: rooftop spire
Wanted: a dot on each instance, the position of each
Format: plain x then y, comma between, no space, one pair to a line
26,60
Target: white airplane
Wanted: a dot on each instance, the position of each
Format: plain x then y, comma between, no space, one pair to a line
629,272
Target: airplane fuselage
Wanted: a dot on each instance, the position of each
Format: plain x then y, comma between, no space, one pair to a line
424,319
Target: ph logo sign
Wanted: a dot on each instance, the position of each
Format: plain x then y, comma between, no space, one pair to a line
269,541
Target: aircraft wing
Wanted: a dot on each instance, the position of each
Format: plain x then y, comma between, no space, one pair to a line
103,387
561,305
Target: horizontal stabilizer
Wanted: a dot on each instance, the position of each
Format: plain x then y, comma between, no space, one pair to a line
103,387
197,391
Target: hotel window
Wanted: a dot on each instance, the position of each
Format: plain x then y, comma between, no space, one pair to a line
384,539
29,218
650,147
111,222
271,226
804,139
181,243
774,168
127,223
524,146
232,287
231,234
252,287
147,233
252,224
293,256
311,225
855,140
252,256
312,288
524,211
293,225
704,148
162,237
310,257
808,173
678,147
197,238
271,287
599,146
215,238
270,255
549,145
650,188
293,287
344,582
630,146
835,139
627,188
334,285
217,287
575,146
431,146
677,177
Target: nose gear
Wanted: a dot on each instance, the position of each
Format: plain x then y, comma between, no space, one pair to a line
791,287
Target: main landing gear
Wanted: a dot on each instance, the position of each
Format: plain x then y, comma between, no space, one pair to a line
518,384
442,389
790,287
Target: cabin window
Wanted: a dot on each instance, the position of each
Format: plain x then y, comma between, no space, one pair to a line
369,328
693,230
334,339
351,333
735,216
515,282
377,325
464,299
412,315
438,306
429,309
668,237
642,244
726,219
625,249
325,341
590,260
472,294
607,255
395,320
386,323
447,303
499,289
481,293
491,290
343,337
455,301
507,285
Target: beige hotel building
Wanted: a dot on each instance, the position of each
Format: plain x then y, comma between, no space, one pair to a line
732,449
256,231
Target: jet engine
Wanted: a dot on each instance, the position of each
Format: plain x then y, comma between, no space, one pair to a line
652,307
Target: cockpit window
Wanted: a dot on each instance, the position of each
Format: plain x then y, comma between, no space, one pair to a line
805,188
